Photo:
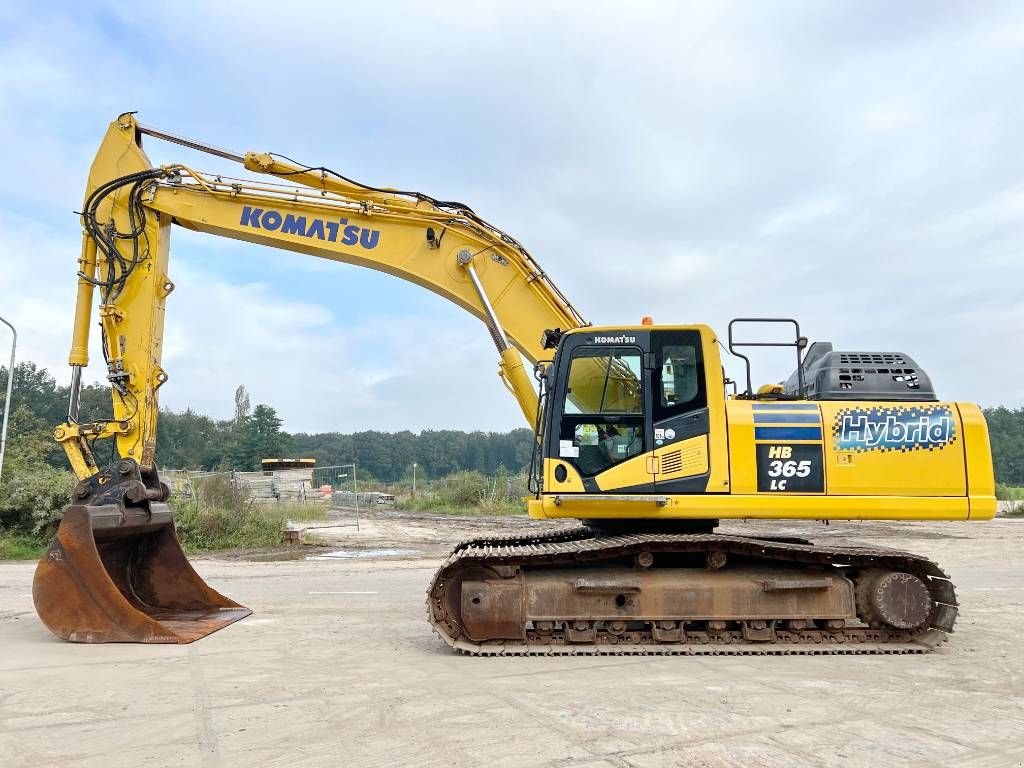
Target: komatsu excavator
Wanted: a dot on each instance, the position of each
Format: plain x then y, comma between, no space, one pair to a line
637,434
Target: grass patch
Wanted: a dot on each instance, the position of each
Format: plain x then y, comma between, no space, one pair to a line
1013,494
205,528
223,516
1009,492
304,512
469,493
16,546
201,528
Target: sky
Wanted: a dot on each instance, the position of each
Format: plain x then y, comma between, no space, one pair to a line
856,165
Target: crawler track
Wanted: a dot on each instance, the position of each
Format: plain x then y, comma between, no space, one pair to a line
582,546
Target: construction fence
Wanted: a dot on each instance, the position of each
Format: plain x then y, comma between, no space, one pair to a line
316,485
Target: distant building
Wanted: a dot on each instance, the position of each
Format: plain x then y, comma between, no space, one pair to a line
276,465
290,480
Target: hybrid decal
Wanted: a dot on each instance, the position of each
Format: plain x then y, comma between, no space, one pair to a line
896,428
615,339
339,231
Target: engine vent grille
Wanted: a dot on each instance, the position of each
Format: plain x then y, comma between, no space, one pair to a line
671,462
873,358
683,462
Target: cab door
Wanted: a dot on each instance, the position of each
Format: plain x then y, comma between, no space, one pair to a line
681,422
601,435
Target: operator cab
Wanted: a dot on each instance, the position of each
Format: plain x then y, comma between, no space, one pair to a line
616,395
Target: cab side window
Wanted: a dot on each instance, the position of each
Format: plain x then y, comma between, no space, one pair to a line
679,375
680,386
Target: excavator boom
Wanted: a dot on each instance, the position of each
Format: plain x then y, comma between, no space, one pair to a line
115,571
442,246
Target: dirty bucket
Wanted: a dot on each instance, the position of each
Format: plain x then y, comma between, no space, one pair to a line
115,572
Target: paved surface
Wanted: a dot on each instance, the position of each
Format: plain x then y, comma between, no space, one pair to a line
338,667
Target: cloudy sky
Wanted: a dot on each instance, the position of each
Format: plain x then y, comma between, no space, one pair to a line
856,165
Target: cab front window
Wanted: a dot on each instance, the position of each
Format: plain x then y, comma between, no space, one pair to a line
603,416
605,381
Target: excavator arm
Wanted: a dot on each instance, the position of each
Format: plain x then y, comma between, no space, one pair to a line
115,571
131,205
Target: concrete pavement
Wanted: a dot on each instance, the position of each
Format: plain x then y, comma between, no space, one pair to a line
338,667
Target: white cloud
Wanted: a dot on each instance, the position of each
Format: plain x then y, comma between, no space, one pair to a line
392,371
854,166
982,220
40,305
801,214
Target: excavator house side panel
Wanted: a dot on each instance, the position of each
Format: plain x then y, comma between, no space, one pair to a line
125,582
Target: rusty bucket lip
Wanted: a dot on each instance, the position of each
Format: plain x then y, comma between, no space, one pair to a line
208,627
109,576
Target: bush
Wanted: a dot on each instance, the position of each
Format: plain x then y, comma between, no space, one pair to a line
218,491
32,497
224,516
470,493
1009,493
463,488
32,492
202,528
20,547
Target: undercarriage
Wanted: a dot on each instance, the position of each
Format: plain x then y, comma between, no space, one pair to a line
585,591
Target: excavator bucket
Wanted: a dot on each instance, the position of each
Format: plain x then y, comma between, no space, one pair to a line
115,573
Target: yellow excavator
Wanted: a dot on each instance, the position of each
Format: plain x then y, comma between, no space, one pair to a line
639,434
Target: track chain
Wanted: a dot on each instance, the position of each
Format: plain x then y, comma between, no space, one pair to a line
580,545
574,533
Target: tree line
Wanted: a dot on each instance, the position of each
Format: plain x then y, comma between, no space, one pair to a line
1006,431
189,440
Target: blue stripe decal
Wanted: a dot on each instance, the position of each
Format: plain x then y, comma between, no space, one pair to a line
787,433
765,417
784,406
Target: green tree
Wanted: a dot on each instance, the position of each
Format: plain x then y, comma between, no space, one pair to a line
189,440
260,437
1006,433
242,406
33,493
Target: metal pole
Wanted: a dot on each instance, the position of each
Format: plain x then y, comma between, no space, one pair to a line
355,489
190,143
414,479
7,401
76,390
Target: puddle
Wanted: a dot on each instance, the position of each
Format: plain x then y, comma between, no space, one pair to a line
348,554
